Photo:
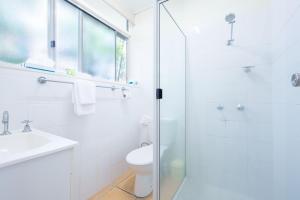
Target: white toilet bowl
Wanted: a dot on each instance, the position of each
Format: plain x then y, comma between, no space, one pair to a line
141,161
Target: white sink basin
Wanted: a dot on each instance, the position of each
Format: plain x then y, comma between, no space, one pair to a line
19,146
18,143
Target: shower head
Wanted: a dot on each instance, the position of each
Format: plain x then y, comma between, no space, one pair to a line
230,18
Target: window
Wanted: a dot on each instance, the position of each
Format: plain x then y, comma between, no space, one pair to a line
107,13
121,62
23,30
98,49
67,35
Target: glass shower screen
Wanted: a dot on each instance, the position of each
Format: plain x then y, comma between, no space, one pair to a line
172,117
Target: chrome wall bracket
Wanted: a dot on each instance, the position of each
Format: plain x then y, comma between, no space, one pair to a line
248,69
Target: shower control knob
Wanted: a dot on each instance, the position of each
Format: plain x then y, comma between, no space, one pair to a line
240,107
220,107
296,79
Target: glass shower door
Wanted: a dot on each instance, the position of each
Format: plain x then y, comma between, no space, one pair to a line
172,105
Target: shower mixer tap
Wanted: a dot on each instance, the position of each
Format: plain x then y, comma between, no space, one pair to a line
240,107
295,79
248,69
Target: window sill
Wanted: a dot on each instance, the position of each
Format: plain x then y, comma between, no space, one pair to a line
18,67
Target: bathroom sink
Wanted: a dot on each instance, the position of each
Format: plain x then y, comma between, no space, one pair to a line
18,143
19,146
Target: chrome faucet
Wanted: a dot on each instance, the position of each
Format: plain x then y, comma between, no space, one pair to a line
27,128
5,122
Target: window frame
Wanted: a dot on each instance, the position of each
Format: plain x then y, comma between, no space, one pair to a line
83,12
52,35
117,35
51,29
54,31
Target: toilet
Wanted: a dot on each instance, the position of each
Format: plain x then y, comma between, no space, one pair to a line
141,159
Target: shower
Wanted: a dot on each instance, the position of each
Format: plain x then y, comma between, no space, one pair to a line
230,18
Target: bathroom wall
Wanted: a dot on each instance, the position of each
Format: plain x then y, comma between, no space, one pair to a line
104,138
141,58
251,154
286,98
230,150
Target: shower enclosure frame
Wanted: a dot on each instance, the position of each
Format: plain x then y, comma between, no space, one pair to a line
156,106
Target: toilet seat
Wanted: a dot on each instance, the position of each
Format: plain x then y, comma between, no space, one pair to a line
141,156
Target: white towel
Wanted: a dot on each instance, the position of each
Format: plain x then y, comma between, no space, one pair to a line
84,97
86,91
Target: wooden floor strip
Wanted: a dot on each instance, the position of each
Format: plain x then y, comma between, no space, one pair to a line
121,189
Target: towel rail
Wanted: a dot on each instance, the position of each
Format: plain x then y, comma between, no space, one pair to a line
44,80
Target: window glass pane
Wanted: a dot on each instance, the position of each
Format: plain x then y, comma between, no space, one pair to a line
121,61
23,30
67,19
98,49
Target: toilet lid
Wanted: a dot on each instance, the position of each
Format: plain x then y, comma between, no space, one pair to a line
141,156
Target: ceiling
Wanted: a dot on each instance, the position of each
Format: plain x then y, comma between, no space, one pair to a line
134,6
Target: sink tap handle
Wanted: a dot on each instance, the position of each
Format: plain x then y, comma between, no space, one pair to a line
27,127
27,122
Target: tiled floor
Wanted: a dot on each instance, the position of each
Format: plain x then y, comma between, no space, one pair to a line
121,189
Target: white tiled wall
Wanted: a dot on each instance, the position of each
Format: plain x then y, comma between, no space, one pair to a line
250,154
230,151
235,146
105,137
286,110
141,57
